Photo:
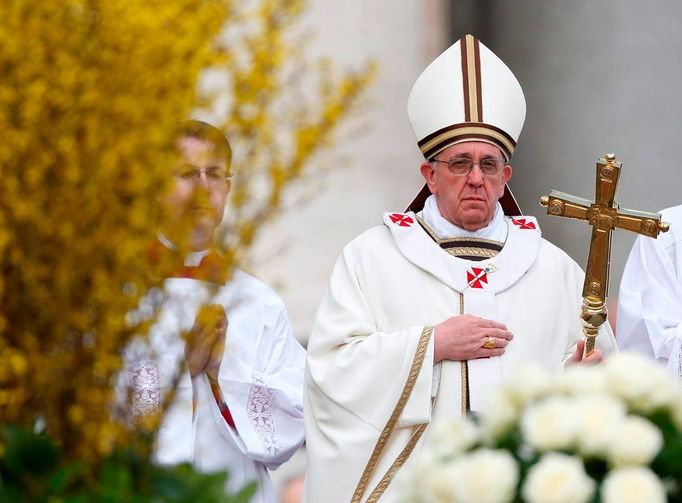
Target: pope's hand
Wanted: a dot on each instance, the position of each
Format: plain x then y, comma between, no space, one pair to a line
463,338
205,342
595,356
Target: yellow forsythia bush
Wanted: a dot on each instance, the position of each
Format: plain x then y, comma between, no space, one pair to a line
91,94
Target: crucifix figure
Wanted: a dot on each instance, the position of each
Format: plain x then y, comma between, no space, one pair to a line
604,215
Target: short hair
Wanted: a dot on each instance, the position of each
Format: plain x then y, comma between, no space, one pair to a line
204,131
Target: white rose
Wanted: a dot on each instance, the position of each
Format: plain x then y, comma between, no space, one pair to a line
551,424
451,438
558,478
597,415
427,481
486,476
528,383
644,384
635,441
579,380
499,416
439,485
633,484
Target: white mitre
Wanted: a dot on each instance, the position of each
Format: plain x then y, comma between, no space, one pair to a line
466,94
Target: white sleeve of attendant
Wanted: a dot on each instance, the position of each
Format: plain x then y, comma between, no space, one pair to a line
266,399
650,303
354,365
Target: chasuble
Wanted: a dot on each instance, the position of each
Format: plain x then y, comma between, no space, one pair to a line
388,287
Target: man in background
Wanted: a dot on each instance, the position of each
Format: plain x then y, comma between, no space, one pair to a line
237,403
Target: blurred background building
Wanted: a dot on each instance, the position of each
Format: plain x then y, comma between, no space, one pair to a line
600,76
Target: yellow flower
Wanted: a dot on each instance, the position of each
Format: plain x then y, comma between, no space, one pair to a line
90,98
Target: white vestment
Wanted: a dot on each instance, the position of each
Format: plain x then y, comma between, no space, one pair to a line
260,377
388,285
650,299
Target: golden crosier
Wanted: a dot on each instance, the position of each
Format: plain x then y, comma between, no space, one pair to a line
90,98
604,215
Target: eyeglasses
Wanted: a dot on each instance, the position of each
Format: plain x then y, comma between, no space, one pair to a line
462,166
214,175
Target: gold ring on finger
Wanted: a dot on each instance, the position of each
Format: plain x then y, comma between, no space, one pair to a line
489,343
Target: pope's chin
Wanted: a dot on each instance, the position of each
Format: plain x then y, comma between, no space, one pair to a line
473,217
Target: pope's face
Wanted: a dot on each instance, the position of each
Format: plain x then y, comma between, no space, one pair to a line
467,200
200,188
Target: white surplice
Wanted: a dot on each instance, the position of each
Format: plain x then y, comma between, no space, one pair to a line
650,299
388,285
260,377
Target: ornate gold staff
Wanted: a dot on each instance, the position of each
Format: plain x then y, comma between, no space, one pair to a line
604,215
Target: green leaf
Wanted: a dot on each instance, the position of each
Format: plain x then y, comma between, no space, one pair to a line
65,476
28,453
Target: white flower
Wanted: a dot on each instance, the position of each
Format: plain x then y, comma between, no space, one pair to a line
486,476
451,438
644,384
636,441
427,481
499,416
632,485
579,380
598,415
527,384
551,424
439,485
558,478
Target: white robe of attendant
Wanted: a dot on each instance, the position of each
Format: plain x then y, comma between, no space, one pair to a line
388,285
650,299
261,379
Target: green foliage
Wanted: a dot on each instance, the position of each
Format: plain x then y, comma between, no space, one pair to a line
33,470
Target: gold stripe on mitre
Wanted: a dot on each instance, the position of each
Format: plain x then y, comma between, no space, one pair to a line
471,79
436,142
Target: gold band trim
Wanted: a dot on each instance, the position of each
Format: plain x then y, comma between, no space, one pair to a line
444,241
464,398
432,234
470,131
361,488
468,251
479,90
464,55
470,66
471,79
399,461
474,239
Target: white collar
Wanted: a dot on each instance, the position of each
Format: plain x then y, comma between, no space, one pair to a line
496,230
192,259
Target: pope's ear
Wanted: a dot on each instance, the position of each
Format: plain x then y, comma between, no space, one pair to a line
507,172
428,173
